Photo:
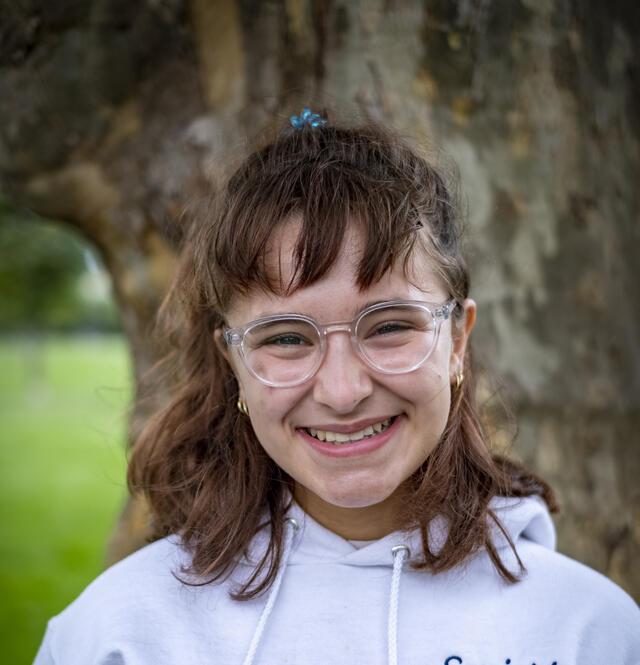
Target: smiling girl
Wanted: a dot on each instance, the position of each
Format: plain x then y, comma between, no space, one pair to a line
321,483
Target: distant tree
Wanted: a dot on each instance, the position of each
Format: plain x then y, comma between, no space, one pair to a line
41,266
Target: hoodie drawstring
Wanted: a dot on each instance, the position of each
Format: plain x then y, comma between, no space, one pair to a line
400,553
273,594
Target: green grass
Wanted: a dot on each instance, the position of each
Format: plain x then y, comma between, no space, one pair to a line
63,405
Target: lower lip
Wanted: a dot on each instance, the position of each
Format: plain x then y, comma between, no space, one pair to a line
361,447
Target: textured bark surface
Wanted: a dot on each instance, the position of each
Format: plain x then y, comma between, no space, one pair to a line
115,115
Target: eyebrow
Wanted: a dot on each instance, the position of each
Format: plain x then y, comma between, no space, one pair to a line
355,311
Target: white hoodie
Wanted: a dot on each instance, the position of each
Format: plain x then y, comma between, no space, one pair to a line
337,603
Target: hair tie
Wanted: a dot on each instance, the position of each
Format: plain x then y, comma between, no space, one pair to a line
307,117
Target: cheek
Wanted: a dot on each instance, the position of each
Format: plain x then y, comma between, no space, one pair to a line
269,408
425,385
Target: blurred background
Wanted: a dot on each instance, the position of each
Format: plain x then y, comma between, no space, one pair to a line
117,117
65,389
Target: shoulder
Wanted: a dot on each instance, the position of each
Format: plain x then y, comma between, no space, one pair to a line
603,617
147,576
140,595
552,571
151,568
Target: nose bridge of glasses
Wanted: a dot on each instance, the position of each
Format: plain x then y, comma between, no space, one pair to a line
339,326
340,357
347,327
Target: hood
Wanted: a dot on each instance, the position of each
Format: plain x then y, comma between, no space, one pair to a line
526,517
306,542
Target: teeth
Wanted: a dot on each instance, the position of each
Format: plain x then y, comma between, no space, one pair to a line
338,438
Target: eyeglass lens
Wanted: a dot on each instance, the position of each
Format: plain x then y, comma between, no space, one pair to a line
393,339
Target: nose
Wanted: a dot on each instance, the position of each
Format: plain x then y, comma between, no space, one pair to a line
343,379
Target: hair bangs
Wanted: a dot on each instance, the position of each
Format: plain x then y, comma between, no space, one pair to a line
318,202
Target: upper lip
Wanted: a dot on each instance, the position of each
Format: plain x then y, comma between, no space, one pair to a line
349,428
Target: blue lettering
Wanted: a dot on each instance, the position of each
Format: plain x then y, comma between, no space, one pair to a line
456,660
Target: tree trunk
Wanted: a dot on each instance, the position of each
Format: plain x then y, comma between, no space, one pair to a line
116,115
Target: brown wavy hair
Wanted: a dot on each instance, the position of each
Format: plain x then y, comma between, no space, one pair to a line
198,462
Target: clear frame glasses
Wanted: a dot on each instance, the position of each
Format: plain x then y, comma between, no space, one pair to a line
392,337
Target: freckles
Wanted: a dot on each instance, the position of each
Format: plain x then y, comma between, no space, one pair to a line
276,404
433,376
432,389
439,373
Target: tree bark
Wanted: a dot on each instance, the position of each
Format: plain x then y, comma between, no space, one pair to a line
115,116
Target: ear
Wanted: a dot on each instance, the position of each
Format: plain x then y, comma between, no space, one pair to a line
460,337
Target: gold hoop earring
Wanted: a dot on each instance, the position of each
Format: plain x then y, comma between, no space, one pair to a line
242,407
459,380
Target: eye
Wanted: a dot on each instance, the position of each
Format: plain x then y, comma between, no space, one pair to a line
286,340
389,327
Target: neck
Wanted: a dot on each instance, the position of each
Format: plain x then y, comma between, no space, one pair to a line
366,523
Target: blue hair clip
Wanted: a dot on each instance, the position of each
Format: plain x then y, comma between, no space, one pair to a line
307,117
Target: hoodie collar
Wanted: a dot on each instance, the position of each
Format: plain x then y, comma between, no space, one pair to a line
522,517
306,541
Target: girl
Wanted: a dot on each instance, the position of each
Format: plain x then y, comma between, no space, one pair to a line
321,484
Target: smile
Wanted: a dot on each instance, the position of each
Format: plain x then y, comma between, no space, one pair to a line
339,438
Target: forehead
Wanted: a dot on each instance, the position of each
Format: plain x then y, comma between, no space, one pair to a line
336,295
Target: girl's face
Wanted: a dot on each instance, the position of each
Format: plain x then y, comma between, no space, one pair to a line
346,394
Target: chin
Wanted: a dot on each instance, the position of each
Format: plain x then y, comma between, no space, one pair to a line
357,496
